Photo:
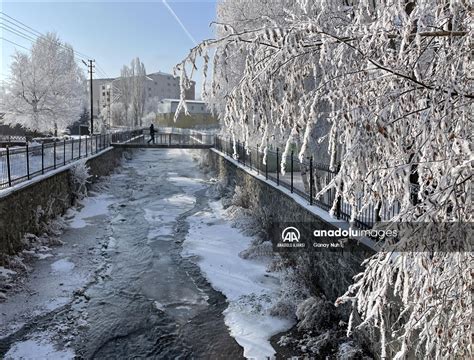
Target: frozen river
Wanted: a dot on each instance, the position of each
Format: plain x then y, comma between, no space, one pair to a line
149,269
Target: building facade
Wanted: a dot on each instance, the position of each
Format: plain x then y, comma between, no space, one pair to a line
199,116
169,106
157,85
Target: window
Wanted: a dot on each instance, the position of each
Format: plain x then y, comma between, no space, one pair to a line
202,108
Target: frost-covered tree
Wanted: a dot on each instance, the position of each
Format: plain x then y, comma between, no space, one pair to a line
151,109
46,88
393,80
138,76
124,90
131,87
118,114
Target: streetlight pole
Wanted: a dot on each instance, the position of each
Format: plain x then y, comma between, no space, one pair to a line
91,67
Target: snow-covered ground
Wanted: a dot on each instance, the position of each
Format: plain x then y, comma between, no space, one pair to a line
249,288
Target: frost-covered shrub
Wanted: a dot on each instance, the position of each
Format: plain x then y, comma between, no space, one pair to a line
16,263
264,249
315,313
240,198
285,340
202,158
80,179
293,290
321,344
348,351
217,190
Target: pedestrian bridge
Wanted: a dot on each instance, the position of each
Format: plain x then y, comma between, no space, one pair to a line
167,138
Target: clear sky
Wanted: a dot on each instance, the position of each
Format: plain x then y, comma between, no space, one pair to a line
114,32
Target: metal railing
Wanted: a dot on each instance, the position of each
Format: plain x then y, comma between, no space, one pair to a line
12,139
306,178
176,140
22,163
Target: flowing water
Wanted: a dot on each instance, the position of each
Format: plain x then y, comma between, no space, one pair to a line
146,301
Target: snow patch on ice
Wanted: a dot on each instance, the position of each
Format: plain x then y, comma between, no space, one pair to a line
62,265
93,206
37,349
248,287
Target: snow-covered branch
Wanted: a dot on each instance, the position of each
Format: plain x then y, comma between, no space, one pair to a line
46,89
388,86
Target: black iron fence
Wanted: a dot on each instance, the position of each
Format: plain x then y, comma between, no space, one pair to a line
172,139
305,178
21,163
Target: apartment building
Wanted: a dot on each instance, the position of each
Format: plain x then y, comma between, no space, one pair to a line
169,106
159,84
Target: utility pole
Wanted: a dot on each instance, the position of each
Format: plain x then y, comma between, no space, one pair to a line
91,70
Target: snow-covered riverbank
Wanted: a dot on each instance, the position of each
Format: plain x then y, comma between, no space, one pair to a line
250,290
54,276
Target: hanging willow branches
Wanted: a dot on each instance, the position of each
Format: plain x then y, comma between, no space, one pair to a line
393,82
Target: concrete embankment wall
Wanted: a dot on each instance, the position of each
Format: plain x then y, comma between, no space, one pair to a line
26,207
328,274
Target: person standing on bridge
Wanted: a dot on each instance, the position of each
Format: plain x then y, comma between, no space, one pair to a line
152,134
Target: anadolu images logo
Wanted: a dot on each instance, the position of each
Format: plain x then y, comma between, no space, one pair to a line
291,238
290,234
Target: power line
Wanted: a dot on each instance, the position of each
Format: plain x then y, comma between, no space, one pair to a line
8,16
14,43
19,26
36,34
17,32
101,70
32,35
27,37
78,55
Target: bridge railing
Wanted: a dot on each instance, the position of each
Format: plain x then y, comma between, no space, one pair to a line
305,178
21,163
174,139
182,131
12,138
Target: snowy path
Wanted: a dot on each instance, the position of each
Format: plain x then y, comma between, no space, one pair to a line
138,276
